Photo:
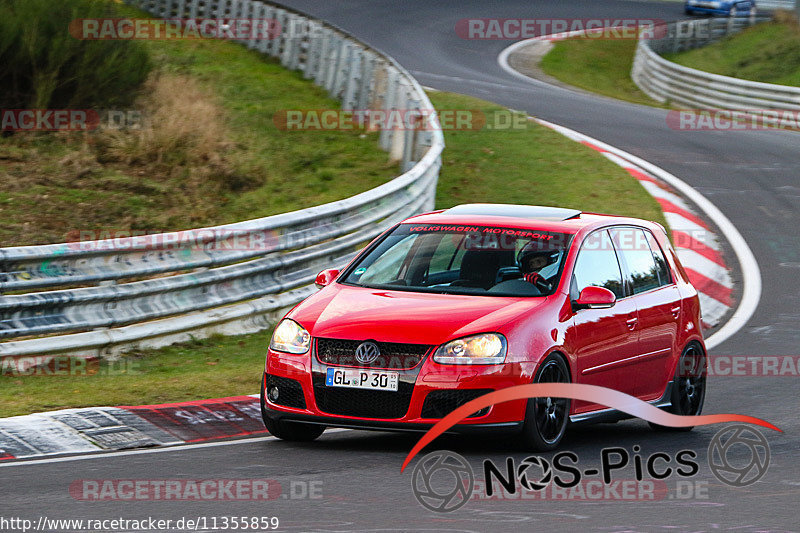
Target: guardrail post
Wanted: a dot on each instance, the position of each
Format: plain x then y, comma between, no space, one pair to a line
674,36
332,61
288,40
267,14
300,38
219,8
161,10
366,78
274,48
248,12
236,7
385,138
397,149
313,50
282,53
412,123
303,45
338,75
257,23
354,71
326,44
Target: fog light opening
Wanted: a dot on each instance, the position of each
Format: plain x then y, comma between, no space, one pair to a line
273,394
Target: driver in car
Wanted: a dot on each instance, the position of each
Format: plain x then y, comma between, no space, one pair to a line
531,262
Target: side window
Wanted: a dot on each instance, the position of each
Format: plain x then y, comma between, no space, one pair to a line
444,258
664,277
386,268
632,244
456,262
597,265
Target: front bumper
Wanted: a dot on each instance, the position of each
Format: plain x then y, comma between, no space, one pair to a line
387,425
311,401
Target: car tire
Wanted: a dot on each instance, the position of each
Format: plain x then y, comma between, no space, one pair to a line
688,391
289,431
546,419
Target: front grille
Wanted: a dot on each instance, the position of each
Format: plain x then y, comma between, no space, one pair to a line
290,391
393,354
360,402
441,403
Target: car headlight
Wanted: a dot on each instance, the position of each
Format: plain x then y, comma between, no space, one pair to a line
290,337
484,349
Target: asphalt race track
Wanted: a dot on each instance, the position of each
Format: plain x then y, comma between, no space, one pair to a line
752,177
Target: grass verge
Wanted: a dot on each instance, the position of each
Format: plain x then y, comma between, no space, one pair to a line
208,153
209,368
529,166
601,66
768,53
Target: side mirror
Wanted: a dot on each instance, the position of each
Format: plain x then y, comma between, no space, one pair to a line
326,277
594,298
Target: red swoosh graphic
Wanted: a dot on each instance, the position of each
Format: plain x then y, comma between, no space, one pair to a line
575,391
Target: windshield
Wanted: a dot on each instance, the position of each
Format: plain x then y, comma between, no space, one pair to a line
450,259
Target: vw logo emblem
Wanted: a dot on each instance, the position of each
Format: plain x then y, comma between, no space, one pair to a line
367,352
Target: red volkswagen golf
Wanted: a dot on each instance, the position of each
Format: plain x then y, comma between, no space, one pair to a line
450,305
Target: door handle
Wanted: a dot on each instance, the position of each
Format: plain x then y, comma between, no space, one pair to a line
632,322
676,312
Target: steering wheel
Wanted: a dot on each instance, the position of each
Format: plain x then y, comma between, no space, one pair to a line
539,281
542,285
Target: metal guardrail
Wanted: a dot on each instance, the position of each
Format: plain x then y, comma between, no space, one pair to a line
666,81
776,4
202,281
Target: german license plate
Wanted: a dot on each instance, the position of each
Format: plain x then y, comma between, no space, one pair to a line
356,378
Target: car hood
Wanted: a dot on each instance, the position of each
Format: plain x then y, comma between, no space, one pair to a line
346,312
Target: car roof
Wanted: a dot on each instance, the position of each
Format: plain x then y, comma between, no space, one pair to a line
522,216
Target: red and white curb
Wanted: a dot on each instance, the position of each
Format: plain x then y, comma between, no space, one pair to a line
696,245
96,429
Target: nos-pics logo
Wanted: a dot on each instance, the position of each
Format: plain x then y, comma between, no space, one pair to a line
443,481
